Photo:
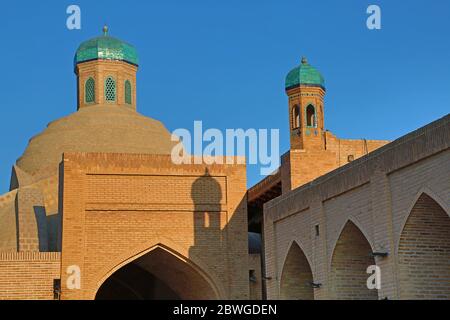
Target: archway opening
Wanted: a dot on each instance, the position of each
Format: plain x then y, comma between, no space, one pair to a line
296,278
310,116
296,117
424,252
157,275
351,258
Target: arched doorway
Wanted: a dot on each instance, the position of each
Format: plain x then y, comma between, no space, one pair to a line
424,252
157,275
296,278
351,258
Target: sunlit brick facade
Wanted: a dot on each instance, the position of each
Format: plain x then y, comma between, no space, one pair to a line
97,209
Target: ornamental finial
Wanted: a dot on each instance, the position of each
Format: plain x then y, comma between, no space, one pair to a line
105,30
304,60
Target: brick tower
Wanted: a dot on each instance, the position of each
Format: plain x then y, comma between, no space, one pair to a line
106,70
314,150
305,89
309,156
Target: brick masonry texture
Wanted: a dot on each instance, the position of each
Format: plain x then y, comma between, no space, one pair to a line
395,200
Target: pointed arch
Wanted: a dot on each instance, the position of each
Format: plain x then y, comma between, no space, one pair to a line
296,117
423,251
358,225
310,116
177,254
296,276
349,262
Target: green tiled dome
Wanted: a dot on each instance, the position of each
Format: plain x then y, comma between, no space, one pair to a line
106,48
304,74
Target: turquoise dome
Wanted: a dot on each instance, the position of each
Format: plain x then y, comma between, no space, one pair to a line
106,48
306,75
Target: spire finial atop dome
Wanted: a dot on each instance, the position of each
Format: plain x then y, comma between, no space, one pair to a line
105,30
304,60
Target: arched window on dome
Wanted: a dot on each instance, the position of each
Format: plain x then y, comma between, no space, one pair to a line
295,117
110,89
311,120
89,91
128,99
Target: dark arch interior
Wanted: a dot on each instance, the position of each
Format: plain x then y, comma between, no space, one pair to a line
157,275
134,283
296,117
424,252
310,116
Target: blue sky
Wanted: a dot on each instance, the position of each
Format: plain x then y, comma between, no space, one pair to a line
224,62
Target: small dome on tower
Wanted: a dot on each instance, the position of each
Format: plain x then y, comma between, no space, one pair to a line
106,48
306,75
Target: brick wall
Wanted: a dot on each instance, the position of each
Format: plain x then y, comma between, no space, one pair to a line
28,275
307,165
120,207
300,166
376,193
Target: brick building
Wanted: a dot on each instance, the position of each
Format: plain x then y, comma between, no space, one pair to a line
97,209
96,193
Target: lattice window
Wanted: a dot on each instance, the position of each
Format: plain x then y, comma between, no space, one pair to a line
110,89
127,92
89,91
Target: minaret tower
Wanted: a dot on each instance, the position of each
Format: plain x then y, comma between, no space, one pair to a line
306,91
106,72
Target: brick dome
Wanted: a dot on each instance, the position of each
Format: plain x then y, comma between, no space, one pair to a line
95,129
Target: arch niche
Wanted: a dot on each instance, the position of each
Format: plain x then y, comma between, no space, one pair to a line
159,274
424,252
351,258
296,277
